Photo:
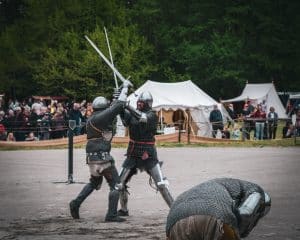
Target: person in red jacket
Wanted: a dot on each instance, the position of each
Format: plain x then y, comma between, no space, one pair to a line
260,118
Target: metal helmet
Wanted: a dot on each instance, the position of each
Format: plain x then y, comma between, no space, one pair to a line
100,103
146,98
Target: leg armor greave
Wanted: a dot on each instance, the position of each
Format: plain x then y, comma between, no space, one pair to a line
162,184
113,199
125,176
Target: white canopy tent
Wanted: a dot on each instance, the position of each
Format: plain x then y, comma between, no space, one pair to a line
295,96
181,95
259,92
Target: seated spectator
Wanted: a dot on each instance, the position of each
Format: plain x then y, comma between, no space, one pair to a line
31,137
10,137
289,130
226,133
236,133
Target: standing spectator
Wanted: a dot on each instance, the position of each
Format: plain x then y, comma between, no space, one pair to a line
297,123
3,133
264,106
58,125
34,120
36,106
216,119
9,121
229,108
45,126
20,124
272,123
2,116
260,119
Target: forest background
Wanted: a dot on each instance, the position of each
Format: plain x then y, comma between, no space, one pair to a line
219,45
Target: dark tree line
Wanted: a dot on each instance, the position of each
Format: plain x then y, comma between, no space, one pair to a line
218,44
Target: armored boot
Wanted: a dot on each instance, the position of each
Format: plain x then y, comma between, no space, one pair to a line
75,204
123,202
112,215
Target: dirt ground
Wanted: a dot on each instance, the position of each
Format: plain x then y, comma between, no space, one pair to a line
34,196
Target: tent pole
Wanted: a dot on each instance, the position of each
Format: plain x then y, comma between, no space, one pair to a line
188,127
161,121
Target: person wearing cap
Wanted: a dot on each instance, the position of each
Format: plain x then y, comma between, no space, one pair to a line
218,209
99,128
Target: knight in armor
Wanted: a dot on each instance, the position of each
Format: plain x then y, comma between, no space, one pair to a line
219,209
99,129
141,152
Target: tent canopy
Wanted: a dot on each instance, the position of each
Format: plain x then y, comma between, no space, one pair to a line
259,92
295,96
179,95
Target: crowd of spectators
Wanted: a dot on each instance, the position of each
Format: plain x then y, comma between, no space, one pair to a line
38,119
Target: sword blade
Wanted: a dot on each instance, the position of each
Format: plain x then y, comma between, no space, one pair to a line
106,60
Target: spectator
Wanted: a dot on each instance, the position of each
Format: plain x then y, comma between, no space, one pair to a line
288,130
20,124
236,133
2,116
226,133
260,119
58,126
31,137
264,106
216,119
11,137
229,108
45,126
3,133
297,124
9,121
272,123
36,106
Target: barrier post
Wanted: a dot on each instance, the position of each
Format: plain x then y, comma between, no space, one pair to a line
72,126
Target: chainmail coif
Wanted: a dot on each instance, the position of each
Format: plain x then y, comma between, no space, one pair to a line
218,197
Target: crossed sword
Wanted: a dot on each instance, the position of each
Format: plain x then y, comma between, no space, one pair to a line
113,68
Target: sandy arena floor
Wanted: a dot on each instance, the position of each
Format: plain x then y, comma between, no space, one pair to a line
34,205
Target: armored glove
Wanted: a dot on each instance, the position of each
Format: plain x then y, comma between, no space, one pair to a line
124,91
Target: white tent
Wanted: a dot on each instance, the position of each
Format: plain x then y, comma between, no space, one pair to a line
295,96
181,95
259,92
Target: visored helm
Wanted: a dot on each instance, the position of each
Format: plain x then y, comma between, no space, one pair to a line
144,101
100,103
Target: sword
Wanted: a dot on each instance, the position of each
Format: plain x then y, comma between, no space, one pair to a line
107,61
111,58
